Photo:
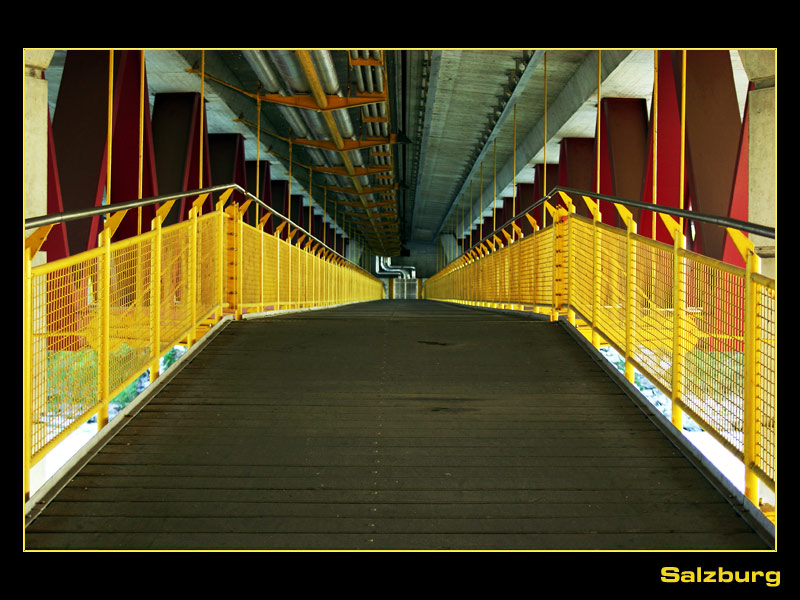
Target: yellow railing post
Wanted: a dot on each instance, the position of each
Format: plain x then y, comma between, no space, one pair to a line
193,273
594,207
278,271
261,265
630,266
238,226
678,315
570,254
750,366
534,229
27,372
31,309
560,216
105,327
630,320
547,207
289,278
221,257
155,276
155,304
750,374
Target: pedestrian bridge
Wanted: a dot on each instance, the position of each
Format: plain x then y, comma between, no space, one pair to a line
311,413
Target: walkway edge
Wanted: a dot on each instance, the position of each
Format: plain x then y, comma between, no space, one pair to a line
53,486
743,506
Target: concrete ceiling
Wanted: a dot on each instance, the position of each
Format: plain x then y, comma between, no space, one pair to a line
450,111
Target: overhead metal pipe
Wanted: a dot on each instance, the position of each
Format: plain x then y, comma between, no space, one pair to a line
272,84
411,271
313,72
289,79
306,65
381,268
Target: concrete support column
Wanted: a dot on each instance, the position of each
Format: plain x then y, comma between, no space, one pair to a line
449,248
35,135
762,201
34,204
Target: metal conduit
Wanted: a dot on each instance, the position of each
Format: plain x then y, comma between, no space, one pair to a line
291,62
283,72
309,124
306,124
272,84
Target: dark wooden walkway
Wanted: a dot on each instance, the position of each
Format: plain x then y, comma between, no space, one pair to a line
391,425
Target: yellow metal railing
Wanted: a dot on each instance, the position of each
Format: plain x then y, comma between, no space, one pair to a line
702,331
94,322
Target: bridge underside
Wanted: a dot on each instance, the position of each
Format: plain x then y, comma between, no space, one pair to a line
391,425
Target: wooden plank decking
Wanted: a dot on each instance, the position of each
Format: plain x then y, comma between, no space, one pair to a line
390,425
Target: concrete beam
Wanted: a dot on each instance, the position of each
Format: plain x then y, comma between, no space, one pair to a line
34,126
579,91
762,169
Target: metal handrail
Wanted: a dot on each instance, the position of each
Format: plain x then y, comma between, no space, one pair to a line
744,226
83,213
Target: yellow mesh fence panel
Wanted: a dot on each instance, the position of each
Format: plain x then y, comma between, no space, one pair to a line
208,257
303,279
175,302
294,276
653,311
543,275
581,282
711,342
269,261
65,344
611,306
251,267
283,271
525,250
766,378
130,307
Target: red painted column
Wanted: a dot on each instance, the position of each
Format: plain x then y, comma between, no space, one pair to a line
668,135
125,145
56,245
576,168
80,126
330,237
623,152
279,193
265,193
525,199
506,213
739,197
298,215
713,129
226,157
317,227
176,140
539,184
80,137
712,145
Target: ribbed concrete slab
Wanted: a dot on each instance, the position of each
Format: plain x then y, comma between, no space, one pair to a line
391,425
